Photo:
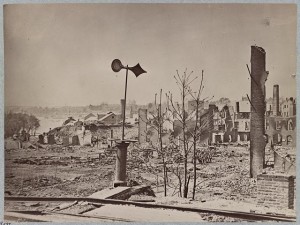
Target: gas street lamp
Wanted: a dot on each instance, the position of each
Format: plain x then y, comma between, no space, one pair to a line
122,145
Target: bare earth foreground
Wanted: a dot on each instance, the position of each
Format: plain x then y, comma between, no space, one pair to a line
79,171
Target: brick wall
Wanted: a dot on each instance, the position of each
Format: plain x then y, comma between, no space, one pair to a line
283,130
276,190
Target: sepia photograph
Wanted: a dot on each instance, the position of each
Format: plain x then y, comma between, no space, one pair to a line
149,112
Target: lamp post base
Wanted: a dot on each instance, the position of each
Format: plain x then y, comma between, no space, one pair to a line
119,183
121,159
120,173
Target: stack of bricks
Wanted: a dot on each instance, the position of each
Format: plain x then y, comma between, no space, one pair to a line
276,190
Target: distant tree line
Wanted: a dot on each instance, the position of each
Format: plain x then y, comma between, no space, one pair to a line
58,111
14,122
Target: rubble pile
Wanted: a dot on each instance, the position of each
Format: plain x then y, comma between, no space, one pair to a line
137,179
40,161
92,177
204,155
227,177
48,185
84,170
68,160
69,149
216,218
230,152
134,163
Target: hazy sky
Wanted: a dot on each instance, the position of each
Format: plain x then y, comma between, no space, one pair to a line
61,54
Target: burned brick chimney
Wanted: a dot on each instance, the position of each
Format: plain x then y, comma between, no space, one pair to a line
275,105
257,119
122,107
237,106
142,125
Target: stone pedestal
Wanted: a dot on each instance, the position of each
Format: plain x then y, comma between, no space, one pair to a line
120,172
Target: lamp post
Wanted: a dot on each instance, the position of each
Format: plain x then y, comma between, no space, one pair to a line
122,145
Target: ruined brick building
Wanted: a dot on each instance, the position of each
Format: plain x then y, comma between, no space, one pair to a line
223,125
281,121
242,120
233,125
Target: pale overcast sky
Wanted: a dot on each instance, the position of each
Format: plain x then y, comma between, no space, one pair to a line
61,54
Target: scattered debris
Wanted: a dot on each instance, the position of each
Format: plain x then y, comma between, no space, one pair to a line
67,205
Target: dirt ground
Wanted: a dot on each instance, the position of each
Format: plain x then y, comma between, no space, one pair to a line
69,172
78,172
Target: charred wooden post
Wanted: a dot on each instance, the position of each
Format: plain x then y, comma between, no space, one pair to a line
257,121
